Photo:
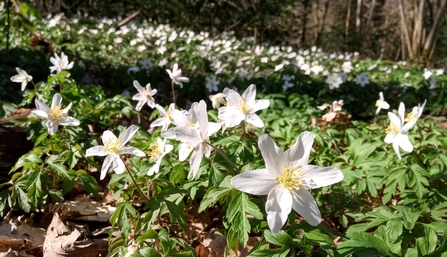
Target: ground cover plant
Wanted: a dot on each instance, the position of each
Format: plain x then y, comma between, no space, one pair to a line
279,151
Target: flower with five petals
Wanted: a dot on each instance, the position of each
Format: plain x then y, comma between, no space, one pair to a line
113,147
145,95
176,75
286,179
22,77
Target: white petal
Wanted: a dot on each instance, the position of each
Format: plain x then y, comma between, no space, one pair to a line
384,105
405,143
260,105
66,109
299,153
105,166
17,78
306,206
401,111
69,121
168,149
278,207
274,157
57,100
395,119
40,113
155,168
52,127
188,135
139,97
254,120
138,87
202,117
389,138
132,150
95,151
183,151
250,94
41,106
396,149
107,136
118,165
255,182
316,177
195,160
24,83
128,134
213,128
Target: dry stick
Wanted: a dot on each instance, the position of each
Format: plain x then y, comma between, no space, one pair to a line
136,185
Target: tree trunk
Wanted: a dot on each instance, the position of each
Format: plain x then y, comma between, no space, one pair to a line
371,12
431,38
418,28
348,18
358,18
405,28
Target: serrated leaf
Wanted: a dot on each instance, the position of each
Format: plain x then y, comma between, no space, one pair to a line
361,240
88,182
394,229
148,235
215,194
281,252
177,213
56,195
23,199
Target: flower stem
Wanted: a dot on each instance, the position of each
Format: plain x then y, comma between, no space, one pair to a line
136,185
224,156
52,152
173,91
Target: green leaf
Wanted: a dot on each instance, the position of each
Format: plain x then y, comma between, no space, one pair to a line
359,241
88,182
23,199
56,166
281,252
148,235
410,215
427,244
177,213
394,229
56,195
236,215
150,252
120,217
215,194
281,238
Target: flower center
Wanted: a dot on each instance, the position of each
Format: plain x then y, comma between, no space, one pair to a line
290,178
56,113
378,102
392,128
168,115
113,146
410,117
243,107
154,152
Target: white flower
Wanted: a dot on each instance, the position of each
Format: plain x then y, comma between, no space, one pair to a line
286,179
22,77
60,63
334,81
212,83
413,116
362,79
396,133
336,105
113,147
217,100
145,95
242,108
346,67
195,137
427,74
176,75
381,104
55,115
157,152
166,118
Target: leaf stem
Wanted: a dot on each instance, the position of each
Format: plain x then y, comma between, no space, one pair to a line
52,152
418,157
224,156
136,185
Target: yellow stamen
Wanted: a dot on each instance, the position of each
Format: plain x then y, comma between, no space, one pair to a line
154,152
168,115
113,146
243,107
392,128
56,113
410,117
290,178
